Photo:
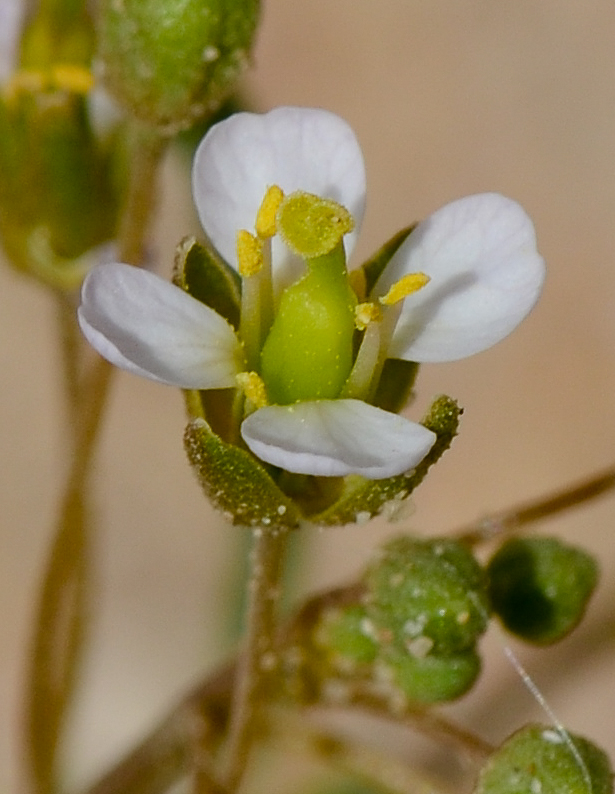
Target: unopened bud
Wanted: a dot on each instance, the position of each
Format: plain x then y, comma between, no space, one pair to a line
171,62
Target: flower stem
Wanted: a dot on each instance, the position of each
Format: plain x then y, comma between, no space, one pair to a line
258,659
61,609
147,148
60,621
516,518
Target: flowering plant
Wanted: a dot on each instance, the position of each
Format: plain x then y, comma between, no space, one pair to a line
297,366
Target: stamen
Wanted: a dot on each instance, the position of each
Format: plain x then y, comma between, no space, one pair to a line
366,313
70,77
59,77
413,282
253,387
249,254
266,216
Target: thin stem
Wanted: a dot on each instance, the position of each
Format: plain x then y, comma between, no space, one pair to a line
258,659
60,621
146,151
61,607
71,348
516,518
377,767
163,757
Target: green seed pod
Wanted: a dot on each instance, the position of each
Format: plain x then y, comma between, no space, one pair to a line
540,587
432,678
171,62
541,760
429,594
343,633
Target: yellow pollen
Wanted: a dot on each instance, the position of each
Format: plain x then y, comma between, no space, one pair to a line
266,215
413,282
253,387
366,313
249,253
69,77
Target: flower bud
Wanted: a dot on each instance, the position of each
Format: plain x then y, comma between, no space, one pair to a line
57,197
546,760
429,595
171,62
540,587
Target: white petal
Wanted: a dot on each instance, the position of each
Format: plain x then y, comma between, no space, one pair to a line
486,275
295,148
333,438
148,326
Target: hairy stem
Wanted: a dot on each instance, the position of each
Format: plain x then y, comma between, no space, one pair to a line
258,659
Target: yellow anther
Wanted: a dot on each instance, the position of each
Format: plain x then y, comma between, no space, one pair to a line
266,215
356,279
253,387
413,282
58,77
249,253
73,78
366,313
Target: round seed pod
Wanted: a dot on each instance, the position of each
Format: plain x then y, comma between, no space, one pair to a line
431,678
344,634
546,760
430,592
539,587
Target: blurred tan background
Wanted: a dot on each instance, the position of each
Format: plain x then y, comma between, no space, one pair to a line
447,98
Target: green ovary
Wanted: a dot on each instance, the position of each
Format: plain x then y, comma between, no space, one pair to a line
308,352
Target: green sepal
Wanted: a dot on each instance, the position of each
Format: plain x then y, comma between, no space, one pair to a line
433,678
374,266
235,483
395,384
362,499
540,759
172,62
426,597
540,587
203,274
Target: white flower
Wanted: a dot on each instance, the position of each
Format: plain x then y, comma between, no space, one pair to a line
479,252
